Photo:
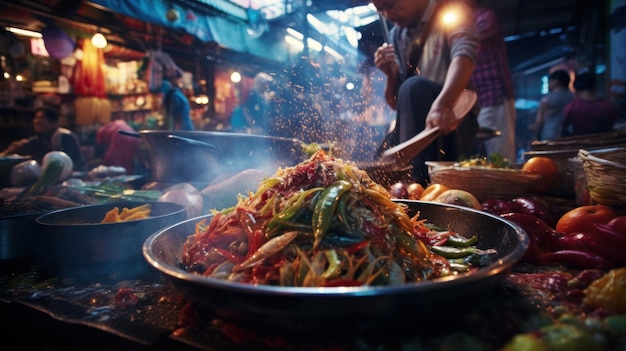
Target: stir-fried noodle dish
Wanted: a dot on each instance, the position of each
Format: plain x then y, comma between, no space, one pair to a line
325,223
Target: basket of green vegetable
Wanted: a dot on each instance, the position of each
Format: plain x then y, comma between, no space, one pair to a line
486,178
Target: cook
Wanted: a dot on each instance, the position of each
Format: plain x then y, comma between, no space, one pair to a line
428,63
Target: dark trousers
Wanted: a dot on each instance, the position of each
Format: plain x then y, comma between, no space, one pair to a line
415,97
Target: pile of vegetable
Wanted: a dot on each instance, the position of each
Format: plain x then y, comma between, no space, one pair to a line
494,160
115,215
324,222
600,247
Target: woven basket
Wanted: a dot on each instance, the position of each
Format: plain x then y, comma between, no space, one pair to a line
483,183
605,173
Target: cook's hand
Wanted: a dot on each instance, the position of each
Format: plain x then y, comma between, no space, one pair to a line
443,118
385,58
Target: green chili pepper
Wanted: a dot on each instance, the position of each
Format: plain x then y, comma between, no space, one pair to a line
461,241
334,265
454,252
342,212
459,267
410,244
288,225
325,208
290,211
268,183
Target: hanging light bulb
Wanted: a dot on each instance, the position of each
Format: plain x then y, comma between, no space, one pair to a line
98,40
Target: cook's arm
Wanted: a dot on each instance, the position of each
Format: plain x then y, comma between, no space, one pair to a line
457,79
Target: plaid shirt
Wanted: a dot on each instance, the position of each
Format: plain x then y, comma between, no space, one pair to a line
491,77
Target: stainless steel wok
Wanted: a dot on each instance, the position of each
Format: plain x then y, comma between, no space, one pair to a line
347,308
175,159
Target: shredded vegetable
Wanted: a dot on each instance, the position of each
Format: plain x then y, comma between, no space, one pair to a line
321,223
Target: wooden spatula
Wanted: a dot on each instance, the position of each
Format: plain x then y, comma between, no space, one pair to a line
403,153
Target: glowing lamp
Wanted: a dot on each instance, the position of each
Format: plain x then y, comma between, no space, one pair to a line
452,16
98,40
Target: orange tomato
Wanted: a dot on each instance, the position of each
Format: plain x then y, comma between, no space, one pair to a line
415,191
544,166
431,192
581,219
541,165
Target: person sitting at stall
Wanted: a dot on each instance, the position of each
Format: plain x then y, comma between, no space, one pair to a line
49,136
119,150
428,64
588,113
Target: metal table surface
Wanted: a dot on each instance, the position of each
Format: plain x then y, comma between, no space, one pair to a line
139,310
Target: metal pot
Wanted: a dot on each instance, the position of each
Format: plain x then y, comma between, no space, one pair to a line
174,159
19,236
77,243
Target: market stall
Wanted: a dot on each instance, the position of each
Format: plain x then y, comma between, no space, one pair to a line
492,255
551,287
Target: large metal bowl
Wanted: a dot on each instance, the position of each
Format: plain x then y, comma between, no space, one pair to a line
344,308
75,242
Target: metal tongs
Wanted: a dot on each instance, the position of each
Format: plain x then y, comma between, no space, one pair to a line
384,27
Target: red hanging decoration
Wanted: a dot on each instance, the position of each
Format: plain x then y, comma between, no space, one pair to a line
89,77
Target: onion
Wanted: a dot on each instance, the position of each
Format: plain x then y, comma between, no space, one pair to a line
68,164
25,173
399,190
184,194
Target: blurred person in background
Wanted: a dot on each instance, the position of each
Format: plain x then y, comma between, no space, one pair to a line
588,113
49,136
494,84
175,102
547,124
119,150
255,108
428,64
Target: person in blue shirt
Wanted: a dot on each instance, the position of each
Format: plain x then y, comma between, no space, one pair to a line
176,104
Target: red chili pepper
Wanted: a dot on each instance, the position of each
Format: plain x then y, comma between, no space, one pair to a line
125,297
342,282
542,237
228,255
538,231
356,247
611,234
256,240
577,259
593,243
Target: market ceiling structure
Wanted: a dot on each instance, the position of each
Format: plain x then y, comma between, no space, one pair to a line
529,22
